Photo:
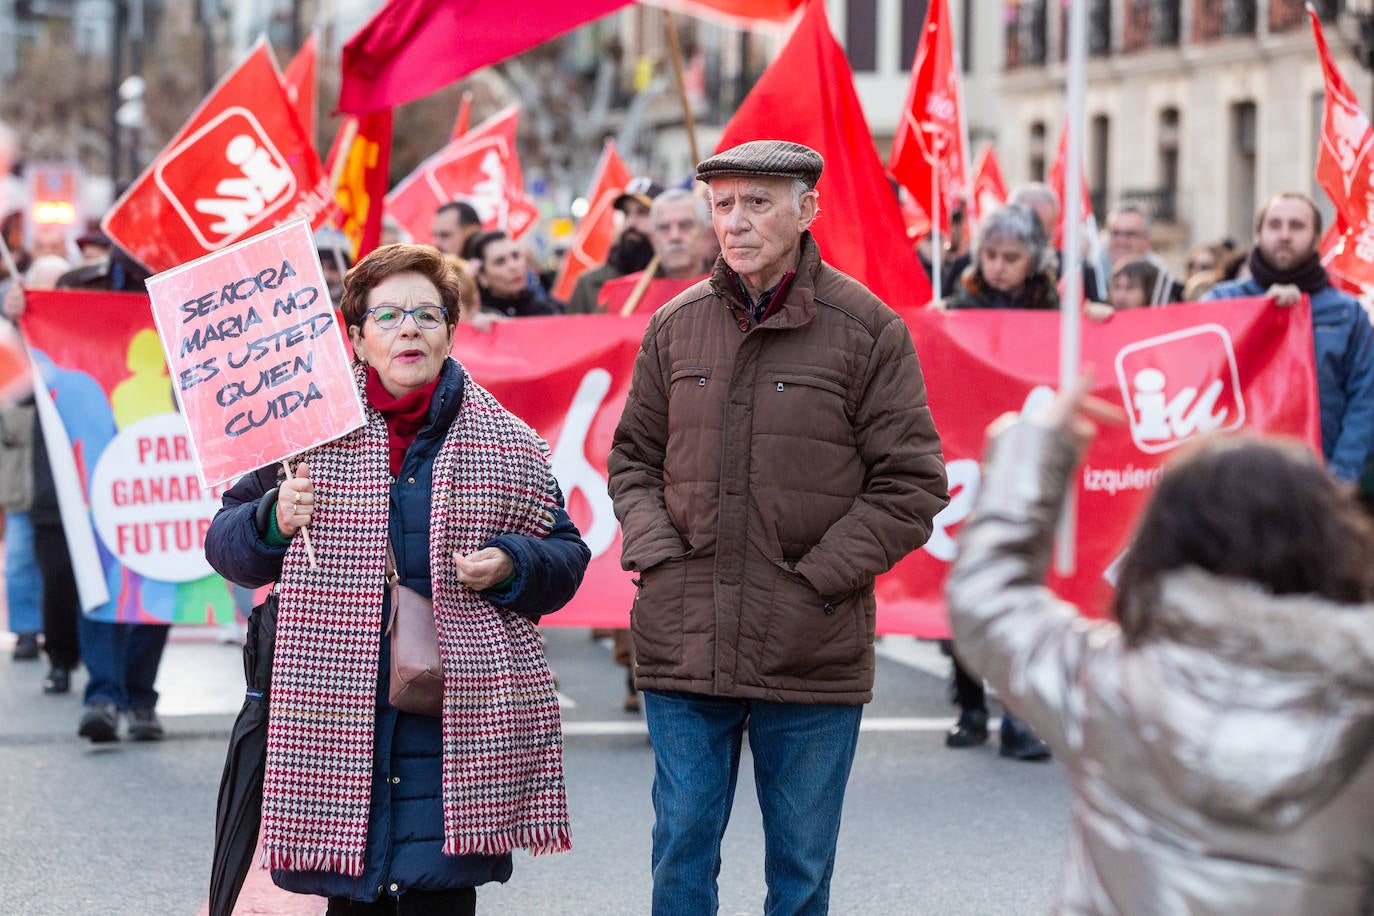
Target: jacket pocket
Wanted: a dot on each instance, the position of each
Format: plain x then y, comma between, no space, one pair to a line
658,615
810,638
782,381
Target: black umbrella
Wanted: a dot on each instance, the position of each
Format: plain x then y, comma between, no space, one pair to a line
239,812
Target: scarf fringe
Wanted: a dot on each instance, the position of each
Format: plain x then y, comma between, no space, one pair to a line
315,860
537,841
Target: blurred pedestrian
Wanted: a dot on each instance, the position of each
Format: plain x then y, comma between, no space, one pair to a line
1217,735
506,285
775,454
384,811
1285,265
631,251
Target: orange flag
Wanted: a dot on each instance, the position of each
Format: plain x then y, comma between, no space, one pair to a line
597,230
358,163
807,96
299,80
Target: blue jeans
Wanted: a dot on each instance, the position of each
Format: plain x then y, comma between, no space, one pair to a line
122,661
23,584
802,756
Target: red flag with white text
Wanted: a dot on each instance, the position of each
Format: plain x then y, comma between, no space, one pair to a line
299,79
928,149
1058,176
1343,170
483,168
807,96
358,164
240,165
989,188
596,232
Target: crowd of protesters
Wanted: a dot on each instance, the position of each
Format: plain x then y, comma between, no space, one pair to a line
734,636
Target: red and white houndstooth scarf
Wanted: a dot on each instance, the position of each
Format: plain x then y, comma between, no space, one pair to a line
503,744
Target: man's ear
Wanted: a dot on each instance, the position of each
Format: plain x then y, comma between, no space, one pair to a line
810,207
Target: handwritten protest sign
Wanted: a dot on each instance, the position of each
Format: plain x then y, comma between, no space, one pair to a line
256,358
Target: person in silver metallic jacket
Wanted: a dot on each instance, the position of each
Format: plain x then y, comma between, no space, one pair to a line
1218,736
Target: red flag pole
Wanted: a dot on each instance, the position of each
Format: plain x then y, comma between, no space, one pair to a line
1070,325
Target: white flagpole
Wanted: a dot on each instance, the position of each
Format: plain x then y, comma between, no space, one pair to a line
935,230
1070,322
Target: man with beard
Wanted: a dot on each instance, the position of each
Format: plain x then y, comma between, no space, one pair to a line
678,221
1284,265
631,252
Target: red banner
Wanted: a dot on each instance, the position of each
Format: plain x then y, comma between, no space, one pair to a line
482,168
241,164
1181,371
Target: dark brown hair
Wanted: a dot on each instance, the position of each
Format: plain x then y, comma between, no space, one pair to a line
1247,508
394,259
1142,273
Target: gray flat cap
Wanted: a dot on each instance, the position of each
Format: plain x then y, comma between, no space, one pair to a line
777,158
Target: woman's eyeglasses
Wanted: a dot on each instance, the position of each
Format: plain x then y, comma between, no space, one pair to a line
427,317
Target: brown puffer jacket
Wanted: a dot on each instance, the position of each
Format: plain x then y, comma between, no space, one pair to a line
763,475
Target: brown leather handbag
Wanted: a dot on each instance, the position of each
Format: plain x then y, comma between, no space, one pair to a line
417,671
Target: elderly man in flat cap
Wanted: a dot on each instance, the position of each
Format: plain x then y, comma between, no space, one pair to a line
775,454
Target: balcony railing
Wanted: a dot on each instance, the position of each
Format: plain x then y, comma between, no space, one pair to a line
1027,33
1160,203
1290,14
1213,19
1150,24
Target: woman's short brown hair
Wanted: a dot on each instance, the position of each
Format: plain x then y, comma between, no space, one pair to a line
1246,508
394,259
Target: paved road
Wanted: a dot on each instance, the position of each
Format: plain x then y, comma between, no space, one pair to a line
126,829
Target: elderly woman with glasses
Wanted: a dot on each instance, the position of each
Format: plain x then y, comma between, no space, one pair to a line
380,810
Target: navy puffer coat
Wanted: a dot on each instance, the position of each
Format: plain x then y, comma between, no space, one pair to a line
405,826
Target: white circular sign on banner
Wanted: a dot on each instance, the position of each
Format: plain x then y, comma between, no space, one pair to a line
147,502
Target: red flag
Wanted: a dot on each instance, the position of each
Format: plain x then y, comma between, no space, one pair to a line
481,168
989,189
300,84
1058,173
412,47
357,165
807,96
929,144
241,164
460,123
741,11
597,229
1343,170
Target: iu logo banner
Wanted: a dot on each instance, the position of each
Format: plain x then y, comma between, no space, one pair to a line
1183,371
240,165
482,168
